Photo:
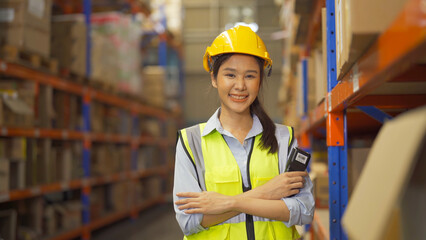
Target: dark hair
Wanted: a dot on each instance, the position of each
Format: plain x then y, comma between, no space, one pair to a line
268,139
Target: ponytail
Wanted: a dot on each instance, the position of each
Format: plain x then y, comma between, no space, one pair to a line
268,139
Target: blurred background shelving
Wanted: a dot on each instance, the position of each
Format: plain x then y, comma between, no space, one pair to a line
87,124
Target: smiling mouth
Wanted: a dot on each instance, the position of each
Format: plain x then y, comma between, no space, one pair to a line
238,98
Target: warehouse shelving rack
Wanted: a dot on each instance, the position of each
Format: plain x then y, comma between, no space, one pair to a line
87,137
393,57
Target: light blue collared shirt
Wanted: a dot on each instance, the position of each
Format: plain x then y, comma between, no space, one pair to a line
301,206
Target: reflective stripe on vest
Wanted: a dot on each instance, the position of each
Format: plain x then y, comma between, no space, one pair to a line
218,171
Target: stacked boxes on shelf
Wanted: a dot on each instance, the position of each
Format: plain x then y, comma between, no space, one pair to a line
17,103
291,95
358,24
37,216
108,119
121,195
68,43
153,89
12,162
356,160
147,157
27,162
319,175
66,111
107,159
26,25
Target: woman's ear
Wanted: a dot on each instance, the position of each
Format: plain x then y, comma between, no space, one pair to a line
214,80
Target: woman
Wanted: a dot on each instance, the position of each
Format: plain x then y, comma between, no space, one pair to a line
229,173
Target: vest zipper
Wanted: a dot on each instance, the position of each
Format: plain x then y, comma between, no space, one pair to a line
249,218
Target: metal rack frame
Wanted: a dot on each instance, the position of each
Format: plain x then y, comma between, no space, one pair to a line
393,53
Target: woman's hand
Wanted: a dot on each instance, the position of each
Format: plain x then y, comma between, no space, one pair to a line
283,185
204,202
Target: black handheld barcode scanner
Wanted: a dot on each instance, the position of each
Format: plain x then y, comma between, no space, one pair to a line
298,160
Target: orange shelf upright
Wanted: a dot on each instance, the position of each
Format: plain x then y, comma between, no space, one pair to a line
394,52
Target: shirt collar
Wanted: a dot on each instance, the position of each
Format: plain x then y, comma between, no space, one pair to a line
214,124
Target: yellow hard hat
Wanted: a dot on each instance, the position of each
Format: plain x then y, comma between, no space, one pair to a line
239,39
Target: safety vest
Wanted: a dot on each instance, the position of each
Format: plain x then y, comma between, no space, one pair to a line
218,171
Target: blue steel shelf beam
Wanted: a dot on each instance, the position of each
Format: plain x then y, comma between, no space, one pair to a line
305,85
336,138
375,113
85,193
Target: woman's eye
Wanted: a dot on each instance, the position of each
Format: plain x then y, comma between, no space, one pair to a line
250,76
230,75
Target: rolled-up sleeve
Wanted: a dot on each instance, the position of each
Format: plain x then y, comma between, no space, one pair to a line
185,180
301,205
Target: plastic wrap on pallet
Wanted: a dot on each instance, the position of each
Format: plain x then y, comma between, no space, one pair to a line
116,58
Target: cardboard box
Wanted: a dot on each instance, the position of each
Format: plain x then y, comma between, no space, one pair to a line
73,214
8,223
17,174
30,13
358,24
321,192
153,85
16,148
395,166
312,82
66,111
32,178
46,111
323,86
26,25
97,202
356,160
69,42
153,187
46,160
16,105
121,195
4,175
27,39
49,220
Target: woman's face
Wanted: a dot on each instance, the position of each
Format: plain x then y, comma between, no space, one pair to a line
238,83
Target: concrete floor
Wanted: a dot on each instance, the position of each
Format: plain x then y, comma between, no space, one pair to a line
157,223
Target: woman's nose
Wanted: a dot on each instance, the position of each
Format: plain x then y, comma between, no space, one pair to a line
240,83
